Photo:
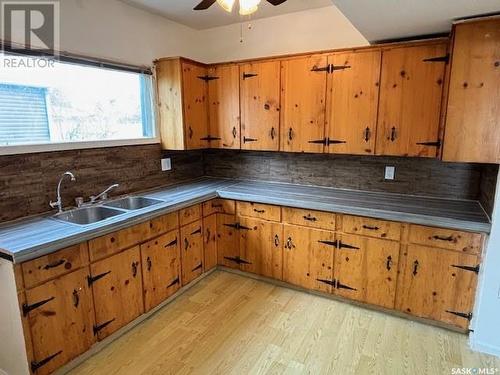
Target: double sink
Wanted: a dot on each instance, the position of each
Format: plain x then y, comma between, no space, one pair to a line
94,214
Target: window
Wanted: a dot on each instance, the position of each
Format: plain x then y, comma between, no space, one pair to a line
44,102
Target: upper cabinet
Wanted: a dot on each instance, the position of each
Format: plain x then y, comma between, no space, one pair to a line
410,100
352,102
224,106
260,106
303,98
183,104
472,122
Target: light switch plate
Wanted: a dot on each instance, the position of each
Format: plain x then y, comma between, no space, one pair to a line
166,164
390,173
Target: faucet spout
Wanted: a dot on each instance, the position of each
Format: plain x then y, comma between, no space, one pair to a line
104,194
58,203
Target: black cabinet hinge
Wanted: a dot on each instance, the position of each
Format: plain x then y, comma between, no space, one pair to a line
338,244
245,140
343,286
209,138
338,67
197,231
35,365
328,282
237,260
237,226
92,279
474,269
319,141
176,281
207,78
174,242
322,69
27,308
249,75
329,243
445,58
100,327
327,141
432,144
467,316
198,267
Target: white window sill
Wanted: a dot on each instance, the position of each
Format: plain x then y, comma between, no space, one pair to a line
29,149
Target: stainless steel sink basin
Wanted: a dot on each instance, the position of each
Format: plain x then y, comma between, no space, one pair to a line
133,203
88,215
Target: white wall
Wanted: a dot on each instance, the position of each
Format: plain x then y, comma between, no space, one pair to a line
486,336
311,30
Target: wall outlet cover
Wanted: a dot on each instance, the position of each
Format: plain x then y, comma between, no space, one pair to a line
166,164
390,173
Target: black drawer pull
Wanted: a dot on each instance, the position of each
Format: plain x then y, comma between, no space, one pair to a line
310,218
441,238
370,227
259,211
54,264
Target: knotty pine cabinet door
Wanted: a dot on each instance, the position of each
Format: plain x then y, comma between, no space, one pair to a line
472,117
308,257
352,102
191,251
228,241
438,284
117,289
62,324
224,106
160,268
366,269
260,106
195,105
210,242
261,249
303,102
410,100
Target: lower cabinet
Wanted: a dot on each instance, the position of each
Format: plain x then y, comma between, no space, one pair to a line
161,268
228,241
308,257
210,241
438,284
261,251
117,289
191,251
366,269
61,316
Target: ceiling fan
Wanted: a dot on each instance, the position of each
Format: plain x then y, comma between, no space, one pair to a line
246,6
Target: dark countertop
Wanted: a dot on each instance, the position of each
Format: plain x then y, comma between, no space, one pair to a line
30,238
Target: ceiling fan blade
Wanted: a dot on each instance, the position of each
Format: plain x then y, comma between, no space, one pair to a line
276,2
205,4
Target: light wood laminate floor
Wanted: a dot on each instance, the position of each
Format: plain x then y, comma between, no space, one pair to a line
229,324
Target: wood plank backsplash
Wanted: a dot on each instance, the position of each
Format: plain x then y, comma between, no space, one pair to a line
417,176
28,181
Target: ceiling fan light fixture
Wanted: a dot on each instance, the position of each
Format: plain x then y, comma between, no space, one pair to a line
227,5
248,7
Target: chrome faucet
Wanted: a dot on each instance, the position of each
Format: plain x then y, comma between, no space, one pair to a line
104,195
58,203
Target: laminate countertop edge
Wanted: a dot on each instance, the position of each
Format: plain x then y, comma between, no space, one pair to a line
25,240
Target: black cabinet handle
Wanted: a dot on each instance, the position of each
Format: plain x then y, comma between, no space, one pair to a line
289,243
415,268
310,218
150,264
393,134
208,235
190,133
235,132
441,238
367,134
259,211
273,133
186,243
276,240
76,298
370,227
54,264
389,263
134,269
290,134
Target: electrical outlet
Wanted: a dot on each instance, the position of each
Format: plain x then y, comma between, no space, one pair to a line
390,173
166,164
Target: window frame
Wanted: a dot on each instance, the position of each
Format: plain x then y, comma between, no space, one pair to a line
92,62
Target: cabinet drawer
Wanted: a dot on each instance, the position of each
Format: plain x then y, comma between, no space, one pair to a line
114,242
189,214
163,224
221,206
261,211
365,226
56,264
309,218
446,238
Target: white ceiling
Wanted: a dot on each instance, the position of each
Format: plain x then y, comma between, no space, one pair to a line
182,12
394,19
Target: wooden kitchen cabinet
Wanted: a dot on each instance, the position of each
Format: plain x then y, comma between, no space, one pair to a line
366,269
260,106
117,290
308,257
261,248
410,100
472,115
303,101
191,251
210,242
352,102
183,104
228,241
224,106
160,268
438,284
61,318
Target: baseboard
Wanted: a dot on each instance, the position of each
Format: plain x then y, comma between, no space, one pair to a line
484,348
